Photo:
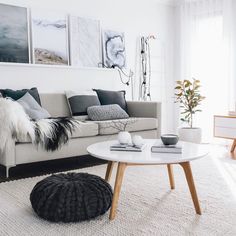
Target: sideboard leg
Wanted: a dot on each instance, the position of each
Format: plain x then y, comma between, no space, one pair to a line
233,146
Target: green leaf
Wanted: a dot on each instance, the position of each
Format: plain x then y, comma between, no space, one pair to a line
178,87
178,82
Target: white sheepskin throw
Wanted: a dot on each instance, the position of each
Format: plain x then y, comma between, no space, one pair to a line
52,134
49,134
14,122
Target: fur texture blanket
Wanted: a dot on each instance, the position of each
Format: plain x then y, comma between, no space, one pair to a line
50,134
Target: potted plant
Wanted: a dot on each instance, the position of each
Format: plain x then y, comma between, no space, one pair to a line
188,95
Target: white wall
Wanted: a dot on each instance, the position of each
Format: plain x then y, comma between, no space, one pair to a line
135,18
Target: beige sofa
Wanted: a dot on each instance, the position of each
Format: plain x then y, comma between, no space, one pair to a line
147,123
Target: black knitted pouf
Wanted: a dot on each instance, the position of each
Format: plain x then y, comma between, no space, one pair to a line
71,197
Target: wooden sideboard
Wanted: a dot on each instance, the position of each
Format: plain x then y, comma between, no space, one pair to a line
225,127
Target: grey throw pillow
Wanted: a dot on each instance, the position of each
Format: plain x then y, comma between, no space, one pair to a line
32,108
107,97
17,94
106,112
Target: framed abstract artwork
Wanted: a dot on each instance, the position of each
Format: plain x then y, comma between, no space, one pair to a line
85,42
14,40
114,49
49,38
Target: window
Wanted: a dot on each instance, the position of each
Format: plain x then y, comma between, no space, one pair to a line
208,64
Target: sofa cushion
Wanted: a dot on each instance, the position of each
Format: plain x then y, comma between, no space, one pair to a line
81,118
85,129
80,101
107,97
17,94
106,112
133,124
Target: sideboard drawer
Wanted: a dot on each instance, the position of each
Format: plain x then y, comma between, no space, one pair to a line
225,132
225,127
226,122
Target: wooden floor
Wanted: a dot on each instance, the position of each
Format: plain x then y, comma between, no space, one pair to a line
48,167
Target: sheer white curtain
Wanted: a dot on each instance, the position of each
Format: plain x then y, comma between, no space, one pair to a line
207,53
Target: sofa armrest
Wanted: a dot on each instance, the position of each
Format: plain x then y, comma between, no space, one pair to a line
146,109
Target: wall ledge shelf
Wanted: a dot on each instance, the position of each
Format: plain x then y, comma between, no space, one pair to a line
2,64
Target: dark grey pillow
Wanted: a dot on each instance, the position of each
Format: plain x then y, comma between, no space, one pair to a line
80,101
106,112
107,97
32,108
17,94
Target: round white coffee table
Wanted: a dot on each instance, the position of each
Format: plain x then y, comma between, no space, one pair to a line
190,152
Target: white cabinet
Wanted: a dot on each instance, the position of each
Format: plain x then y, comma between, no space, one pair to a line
225,127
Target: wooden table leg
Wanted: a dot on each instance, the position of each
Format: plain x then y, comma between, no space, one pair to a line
171,176
233,146
119,177
188,173
109,170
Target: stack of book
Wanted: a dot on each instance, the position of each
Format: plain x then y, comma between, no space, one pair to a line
128,147
161,148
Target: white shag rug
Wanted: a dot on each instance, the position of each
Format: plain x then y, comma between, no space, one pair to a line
147,206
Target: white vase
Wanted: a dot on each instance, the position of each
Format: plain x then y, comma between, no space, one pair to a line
124,137
137,140
193,135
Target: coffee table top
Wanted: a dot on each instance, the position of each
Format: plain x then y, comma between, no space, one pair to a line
190,152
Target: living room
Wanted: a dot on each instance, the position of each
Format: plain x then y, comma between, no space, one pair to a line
117,117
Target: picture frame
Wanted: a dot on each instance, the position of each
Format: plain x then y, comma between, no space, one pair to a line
114,51
56,50
15,35
85,42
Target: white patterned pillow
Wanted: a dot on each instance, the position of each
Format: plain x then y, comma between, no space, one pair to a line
106,112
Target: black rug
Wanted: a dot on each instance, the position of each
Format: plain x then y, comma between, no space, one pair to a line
49,167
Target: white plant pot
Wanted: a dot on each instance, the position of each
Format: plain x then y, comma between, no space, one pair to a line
124,137
193,135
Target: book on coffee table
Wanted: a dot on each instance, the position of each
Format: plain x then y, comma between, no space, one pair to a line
161,148
129,147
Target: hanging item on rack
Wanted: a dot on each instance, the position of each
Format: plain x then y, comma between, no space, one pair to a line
127,79
145,68
126,76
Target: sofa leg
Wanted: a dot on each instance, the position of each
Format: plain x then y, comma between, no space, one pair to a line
7,171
